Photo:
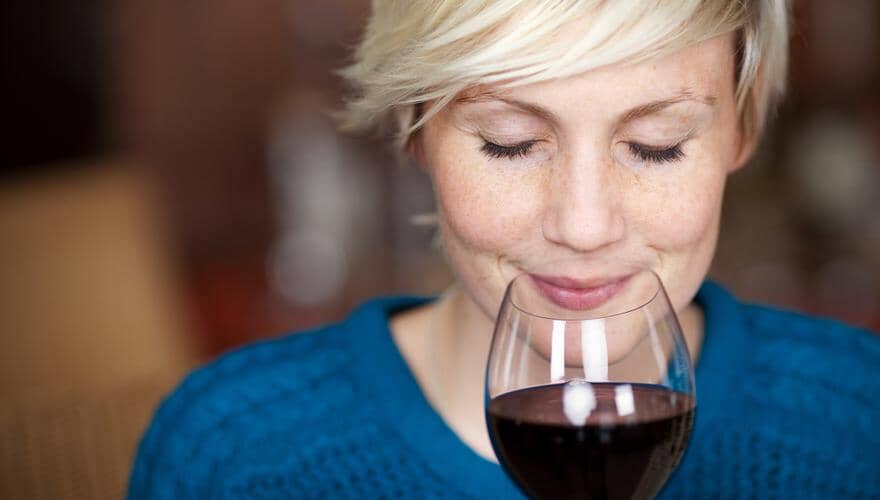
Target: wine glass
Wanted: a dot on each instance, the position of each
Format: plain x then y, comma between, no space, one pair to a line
590,387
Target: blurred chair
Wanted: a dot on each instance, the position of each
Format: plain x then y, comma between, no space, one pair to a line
92,328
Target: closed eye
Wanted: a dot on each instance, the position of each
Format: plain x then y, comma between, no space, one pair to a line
514,151
656,155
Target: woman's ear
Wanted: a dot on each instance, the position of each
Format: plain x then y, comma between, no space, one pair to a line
414,149
745,147
750,123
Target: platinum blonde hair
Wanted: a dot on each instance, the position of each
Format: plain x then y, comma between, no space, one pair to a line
416,52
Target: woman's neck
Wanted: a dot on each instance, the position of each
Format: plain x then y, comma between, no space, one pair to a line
446,345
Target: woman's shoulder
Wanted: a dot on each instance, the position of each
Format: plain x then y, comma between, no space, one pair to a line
807,366
263,392
795,363
788,403
303,354
807,334
807,361
795,332
264,370
217,405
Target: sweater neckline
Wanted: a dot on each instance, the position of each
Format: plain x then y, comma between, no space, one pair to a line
401,401
724,349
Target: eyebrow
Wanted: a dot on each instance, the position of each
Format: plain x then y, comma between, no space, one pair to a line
489,95
629,115
657,106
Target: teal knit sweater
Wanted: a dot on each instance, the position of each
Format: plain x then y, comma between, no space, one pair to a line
789,407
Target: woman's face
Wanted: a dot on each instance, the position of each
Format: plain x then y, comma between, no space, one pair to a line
623,164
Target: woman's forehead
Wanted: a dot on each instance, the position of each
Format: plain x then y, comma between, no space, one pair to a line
694,70
701,75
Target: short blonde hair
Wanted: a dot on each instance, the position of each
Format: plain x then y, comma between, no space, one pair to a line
419,51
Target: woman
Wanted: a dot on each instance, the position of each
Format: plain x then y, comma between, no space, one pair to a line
550,130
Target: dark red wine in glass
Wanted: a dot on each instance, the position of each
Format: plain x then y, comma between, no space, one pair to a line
589,383
549,457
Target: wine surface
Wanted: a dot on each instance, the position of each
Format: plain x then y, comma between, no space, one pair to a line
610,456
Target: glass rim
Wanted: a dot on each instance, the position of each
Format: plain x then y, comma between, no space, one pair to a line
630,310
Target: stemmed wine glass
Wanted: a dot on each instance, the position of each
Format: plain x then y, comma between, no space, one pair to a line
590,387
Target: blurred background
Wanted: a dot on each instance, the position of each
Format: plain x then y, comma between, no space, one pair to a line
172,187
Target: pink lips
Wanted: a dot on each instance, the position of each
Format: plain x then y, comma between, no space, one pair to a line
578,294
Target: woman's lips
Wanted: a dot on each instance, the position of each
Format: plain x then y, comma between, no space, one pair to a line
578,295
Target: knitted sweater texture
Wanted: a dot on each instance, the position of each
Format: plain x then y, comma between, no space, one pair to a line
788,407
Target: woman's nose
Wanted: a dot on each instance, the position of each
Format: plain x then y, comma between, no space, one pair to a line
583,209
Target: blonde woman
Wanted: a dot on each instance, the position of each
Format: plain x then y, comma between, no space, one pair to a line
585,130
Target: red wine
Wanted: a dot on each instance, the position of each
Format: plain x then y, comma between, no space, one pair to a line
608,457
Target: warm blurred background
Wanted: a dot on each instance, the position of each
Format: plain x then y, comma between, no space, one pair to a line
172,187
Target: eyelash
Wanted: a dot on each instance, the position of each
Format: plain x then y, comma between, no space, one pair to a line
498,151
665,155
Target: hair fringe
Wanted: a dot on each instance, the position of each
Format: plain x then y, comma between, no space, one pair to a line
429,51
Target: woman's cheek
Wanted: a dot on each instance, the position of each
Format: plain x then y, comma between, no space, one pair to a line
486,208
681,212
683,229
693,199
